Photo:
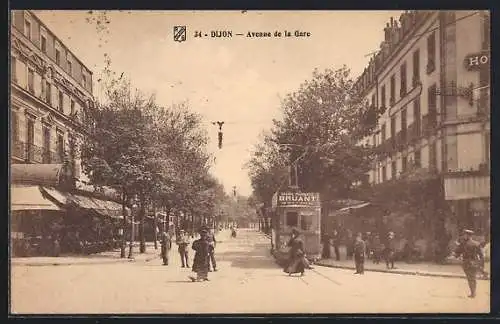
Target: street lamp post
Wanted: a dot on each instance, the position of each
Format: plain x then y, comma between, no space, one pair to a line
132,228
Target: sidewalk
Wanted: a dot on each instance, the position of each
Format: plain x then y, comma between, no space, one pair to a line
105,257
419,269
98,258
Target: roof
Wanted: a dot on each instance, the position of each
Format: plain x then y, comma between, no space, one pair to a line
29,198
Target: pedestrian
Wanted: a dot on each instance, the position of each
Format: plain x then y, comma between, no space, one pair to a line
336,243
349,244
472,258
297,262
211,251
166,245
326,252
201,257
182,241
233,232
390,250
359,254
377,249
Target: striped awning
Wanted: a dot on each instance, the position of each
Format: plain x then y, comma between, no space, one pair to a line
29,198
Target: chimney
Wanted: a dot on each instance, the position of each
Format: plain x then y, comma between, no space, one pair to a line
387,33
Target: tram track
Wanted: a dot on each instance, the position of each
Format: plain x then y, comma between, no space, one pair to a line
303,278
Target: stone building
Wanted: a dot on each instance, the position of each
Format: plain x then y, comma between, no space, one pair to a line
430,79
51,91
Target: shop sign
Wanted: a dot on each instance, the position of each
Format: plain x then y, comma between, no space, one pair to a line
477,60
298,199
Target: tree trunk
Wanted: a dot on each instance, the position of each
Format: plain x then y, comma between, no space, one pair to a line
123,238
142,237
132,233
155,226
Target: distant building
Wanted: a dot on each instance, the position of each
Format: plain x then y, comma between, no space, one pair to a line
431,79
51,91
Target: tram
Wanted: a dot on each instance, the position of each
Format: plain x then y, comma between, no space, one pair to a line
301,210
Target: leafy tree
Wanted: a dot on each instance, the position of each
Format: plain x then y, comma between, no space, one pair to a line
324,120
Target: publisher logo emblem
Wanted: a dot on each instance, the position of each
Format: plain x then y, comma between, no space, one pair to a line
179,33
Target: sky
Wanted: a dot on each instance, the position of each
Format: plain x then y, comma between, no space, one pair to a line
237,80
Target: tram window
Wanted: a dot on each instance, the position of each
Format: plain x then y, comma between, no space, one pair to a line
305,222
292,219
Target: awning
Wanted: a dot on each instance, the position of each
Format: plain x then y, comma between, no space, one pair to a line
29,198
103,207
355,206
38,174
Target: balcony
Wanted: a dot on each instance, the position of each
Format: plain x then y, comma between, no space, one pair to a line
31,153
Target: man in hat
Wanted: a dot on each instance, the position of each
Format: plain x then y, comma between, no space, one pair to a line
472,258
390,251
166,245
211,252
183,243
359,254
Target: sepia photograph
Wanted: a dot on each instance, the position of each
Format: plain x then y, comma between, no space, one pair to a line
249,162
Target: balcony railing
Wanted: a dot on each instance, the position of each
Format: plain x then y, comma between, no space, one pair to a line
34,154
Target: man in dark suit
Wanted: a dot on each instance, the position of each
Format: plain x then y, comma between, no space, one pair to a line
472,258
359,254
166,244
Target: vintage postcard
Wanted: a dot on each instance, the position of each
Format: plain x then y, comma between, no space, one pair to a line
242,162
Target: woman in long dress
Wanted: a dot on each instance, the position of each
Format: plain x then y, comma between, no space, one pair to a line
200,262
297,261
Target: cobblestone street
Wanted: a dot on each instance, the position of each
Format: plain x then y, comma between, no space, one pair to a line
248,281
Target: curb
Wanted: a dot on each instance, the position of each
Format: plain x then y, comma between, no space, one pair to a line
400,272
41,264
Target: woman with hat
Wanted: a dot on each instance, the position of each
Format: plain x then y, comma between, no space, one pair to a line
297,261
200,262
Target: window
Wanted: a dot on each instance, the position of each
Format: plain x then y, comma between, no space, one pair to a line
374,104
70,67
31,80
451,150
416,116
43,43
30,131
13,67
46,145
393,90
382,93
431,95
84,80
383,133
61,101
384,173
72,154
72,107
305,222
48,92
393,169
58,57
404,163
416,67
374,140
431,52
60,147
432,156
15,126
393,128
292,219
418,158
402,91
27,28
403,124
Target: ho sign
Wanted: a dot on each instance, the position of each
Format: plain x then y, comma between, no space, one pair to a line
476,61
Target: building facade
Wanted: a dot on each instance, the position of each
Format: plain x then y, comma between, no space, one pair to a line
51,91
431,81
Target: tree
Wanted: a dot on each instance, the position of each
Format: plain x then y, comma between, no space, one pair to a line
325,120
